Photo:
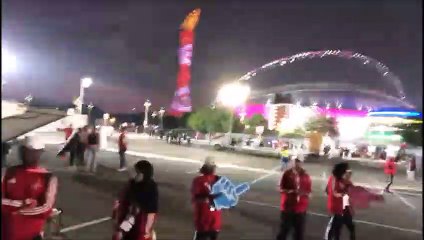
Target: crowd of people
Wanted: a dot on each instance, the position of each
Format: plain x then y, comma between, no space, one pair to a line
29,193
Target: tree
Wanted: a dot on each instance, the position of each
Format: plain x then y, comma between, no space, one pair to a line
255,121
323,125
411,133
296,133
208,120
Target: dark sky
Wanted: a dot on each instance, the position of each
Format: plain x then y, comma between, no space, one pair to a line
129,47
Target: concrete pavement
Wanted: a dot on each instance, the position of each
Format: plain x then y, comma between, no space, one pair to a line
364,175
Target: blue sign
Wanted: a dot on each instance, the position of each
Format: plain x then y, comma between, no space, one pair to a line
228,193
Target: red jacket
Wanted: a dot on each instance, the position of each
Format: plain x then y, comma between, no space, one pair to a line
390,166
299,182
335,204
23,220
68,132
206,218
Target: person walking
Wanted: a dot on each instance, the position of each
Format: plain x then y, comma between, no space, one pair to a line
83,145
207,219
284,157
122,146
295,188
28,194
136,210
93,146
338,202
390,171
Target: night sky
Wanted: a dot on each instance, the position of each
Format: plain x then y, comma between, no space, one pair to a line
130,47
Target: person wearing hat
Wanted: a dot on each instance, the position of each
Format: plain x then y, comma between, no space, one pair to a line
207,219
136,210
28,194
295,188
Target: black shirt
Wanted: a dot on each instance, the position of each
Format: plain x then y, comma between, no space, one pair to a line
93,139
145,195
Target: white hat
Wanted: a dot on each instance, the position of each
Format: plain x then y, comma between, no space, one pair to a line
209,161
33,142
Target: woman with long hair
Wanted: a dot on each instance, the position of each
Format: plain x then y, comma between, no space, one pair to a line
136,210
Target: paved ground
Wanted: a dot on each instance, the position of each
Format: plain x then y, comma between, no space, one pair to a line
86,198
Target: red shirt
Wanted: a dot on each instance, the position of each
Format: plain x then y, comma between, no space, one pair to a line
390,167
122,142
206,218
299,182
22,221
335,204
68,132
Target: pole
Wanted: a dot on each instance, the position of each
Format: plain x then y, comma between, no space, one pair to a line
231,122
146,117
81,97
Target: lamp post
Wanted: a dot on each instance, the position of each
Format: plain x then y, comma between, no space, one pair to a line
233,95
147,104
84,83
90,107
161,113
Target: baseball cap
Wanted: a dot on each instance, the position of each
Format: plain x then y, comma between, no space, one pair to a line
209,161
33,142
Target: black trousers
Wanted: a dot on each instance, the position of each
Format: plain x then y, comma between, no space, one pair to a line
72,156
390,178
122,159
335,225
291,220
212,235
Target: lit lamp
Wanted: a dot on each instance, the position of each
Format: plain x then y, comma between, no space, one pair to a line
233,95
147,104
8,62
85,82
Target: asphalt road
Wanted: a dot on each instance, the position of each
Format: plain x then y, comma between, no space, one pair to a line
87,200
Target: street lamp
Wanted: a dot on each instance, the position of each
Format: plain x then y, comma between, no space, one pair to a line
233,95
84,83
161,113
147,104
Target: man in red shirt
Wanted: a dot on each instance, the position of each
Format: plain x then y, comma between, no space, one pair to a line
295,187
28,195
390,171
207,220
122,145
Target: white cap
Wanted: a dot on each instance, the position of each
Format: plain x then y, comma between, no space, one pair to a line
301,157
209,161
33,142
